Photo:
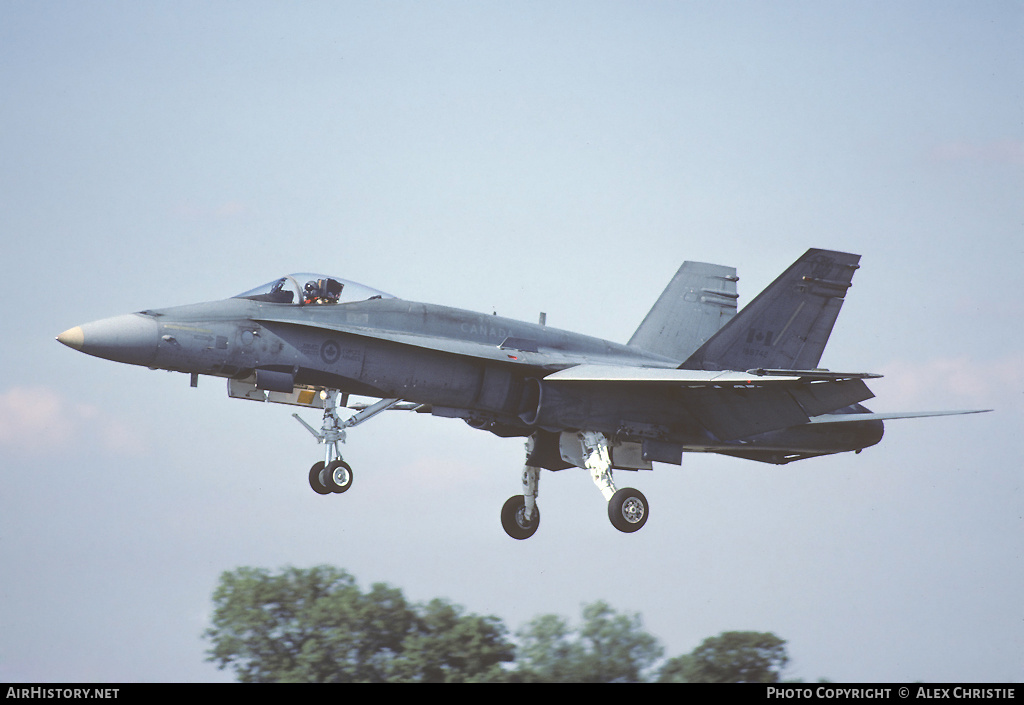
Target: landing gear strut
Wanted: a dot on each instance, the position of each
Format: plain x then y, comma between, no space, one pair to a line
627,508
515,521
333,475
520,516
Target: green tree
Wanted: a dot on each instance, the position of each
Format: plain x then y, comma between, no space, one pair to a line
608,647
316,625
730,657
548,651
444,646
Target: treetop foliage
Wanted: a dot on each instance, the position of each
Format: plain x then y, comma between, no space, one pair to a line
316,625
730,657
607,648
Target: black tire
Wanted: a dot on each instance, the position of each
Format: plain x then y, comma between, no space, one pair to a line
314,479
513,518
338,476
628,510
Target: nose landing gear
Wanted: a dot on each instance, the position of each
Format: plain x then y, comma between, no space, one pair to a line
333,475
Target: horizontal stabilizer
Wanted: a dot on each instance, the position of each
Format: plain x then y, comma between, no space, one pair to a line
853,418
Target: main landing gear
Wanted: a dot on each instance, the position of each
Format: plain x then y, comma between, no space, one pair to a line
333,475
627,508
520,516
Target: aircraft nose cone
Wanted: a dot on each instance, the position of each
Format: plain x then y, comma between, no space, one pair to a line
72,337
131,338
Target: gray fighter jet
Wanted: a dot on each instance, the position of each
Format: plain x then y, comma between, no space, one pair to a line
695,377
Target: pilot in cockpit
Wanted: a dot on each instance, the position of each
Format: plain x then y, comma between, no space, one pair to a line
322,291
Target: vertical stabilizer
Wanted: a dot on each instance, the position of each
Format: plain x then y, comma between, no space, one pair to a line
789,323
699,300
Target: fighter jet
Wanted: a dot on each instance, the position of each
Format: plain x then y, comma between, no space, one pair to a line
696,376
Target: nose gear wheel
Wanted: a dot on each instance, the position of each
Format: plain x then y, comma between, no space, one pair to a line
338,476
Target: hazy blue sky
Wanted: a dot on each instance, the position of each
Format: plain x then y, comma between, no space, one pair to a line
519,157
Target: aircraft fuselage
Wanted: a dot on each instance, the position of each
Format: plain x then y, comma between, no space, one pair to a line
391,348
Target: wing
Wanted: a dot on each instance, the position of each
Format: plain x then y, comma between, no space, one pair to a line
731,405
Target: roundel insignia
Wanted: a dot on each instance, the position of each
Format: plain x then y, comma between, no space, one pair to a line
330,351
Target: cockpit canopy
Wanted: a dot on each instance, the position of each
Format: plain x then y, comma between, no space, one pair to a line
312,289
